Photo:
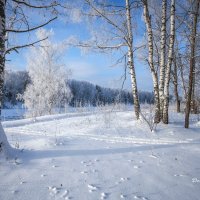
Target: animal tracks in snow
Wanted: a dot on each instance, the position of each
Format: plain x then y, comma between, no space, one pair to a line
87,164
14,191
136,166
122,196
54,191
65,194
104,195
92,188
180,175
54,166
122,179
84,172
140,197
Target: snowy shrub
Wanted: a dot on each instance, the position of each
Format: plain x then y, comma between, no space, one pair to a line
48,88
148,115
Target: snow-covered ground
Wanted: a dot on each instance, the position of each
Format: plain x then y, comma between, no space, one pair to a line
85,156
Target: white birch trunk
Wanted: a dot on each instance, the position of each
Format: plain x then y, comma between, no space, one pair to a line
151,63
5,148
169,63
131,61
162,55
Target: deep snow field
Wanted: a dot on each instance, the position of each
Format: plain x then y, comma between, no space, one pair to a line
108,155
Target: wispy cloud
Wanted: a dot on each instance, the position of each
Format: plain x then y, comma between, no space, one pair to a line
82,70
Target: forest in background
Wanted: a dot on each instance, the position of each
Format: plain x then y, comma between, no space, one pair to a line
82,93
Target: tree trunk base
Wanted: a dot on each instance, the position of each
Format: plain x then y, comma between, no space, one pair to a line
5,149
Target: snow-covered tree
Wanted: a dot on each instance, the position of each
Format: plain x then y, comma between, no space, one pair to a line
48,88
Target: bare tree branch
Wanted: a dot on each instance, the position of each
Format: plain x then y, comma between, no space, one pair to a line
34,6
105,17
30,29
23,46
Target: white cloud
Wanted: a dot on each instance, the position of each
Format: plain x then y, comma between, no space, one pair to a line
82,70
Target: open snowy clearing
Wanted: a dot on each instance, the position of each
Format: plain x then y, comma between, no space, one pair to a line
101,156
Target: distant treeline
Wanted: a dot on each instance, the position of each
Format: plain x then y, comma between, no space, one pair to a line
84,93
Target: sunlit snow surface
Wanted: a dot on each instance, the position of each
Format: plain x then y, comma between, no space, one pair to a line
101,156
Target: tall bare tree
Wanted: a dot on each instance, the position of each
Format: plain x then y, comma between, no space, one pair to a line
151,62
130,60
162,55
119,30
169,63
195,14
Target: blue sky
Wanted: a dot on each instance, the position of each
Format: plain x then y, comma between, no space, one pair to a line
93,67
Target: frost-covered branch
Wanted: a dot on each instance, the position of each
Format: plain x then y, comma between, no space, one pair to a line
32,28
15,48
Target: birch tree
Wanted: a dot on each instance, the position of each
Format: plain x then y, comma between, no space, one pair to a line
169,63
118,32
130,60
151,62
162,55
